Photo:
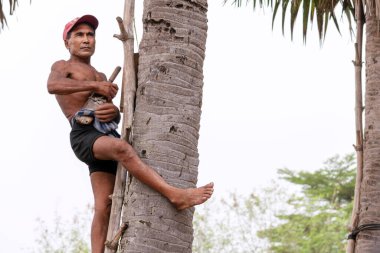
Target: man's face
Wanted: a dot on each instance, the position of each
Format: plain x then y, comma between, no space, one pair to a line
82,41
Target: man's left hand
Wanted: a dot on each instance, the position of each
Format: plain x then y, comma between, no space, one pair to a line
106,112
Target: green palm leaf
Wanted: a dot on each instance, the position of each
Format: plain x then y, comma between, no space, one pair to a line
277,4
294,7
306,8
284,6
321,10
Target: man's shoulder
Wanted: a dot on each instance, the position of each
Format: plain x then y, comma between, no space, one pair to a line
69,66
59,64
77,70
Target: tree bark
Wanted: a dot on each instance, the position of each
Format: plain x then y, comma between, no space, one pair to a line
359,17
367,241
128,93
166,122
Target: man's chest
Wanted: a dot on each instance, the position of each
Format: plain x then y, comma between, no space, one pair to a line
83,72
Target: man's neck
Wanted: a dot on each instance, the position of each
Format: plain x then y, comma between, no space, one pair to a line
74,58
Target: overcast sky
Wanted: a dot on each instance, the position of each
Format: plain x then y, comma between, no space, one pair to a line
268,103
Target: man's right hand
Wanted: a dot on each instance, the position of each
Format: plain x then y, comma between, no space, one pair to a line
107,89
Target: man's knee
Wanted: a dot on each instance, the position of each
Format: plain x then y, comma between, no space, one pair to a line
123,150
103,207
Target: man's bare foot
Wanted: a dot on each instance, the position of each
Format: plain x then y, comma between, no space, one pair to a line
185,198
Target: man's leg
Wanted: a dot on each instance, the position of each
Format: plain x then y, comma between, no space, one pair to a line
102,187
108,148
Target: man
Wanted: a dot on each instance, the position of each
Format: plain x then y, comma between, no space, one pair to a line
72,82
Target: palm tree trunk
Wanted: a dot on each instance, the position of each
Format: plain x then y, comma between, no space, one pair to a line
166,122
367,241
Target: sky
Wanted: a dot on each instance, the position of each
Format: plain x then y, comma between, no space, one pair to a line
268,103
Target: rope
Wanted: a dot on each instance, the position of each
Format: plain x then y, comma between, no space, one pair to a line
356,231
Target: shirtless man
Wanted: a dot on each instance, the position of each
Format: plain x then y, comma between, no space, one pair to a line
72,82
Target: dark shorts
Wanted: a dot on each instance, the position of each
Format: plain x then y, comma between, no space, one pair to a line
82,139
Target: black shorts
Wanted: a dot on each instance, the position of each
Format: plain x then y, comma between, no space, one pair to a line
82,139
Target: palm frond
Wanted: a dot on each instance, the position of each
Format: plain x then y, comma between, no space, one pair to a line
235,2
294,7
12,8
335,22
312,11
277,4
306,8
3,20
326,21
259,3
284,7
349,12
319,22
321,11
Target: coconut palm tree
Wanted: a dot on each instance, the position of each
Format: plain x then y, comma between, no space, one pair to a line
365,223
166,122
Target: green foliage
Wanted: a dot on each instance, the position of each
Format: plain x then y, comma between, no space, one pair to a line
322,10
65,236
320,212
334,183
308,212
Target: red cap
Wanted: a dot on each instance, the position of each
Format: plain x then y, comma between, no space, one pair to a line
84,19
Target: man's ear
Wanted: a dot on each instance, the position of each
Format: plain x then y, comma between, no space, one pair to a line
67,44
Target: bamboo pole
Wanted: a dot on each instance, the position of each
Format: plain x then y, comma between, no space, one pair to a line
359,15
115,229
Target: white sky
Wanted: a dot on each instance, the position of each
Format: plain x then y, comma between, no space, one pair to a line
268,103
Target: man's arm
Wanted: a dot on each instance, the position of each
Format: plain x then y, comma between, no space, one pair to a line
60,83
